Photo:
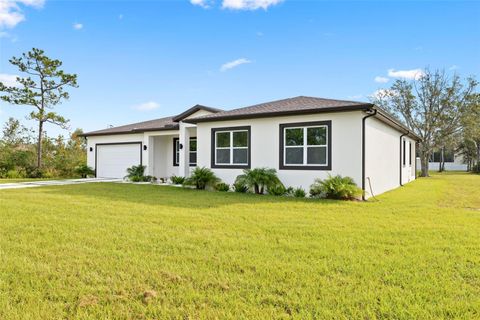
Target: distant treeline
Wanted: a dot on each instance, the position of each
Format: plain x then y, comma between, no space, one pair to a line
62,156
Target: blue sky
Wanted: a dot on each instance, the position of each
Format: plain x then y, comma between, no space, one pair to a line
140,60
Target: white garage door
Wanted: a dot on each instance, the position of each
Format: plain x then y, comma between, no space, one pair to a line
114,159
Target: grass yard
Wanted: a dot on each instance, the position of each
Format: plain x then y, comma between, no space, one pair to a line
17,180
120,251
27,180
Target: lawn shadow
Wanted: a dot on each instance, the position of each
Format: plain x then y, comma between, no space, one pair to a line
171,196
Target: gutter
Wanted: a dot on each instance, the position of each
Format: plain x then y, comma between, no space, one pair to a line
372,113
132,131
400,155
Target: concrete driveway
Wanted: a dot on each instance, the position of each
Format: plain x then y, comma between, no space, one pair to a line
30,184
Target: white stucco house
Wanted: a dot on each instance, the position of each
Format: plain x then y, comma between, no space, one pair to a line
303,138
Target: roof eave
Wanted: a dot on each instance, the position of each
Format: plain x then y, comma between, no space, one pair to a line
192,110
92,134
395,123
281,113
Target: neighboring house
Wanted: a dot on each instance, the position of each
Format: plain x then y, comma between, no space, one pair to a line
303,138
453,162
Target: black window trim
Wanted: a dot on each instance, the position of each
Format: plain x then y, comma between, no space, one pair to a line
410,153
404,152
230,166
282,126
175,164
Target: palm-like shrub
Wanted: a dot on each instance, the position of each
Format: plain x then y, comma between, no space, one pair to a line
137,174
336,187
222,186
177,179
201,178
84,171
240,187
299,193
277,190
258,179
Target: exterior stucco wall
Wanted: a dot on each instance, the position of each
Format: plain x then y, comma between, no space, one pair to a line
346,147
93,140
382,158
163,157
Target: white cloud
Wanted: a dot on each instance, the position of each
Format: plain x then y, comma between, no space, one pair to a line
233,64
454,67
406,74
77,26
147,106
202,3
381,79
249,4
9,80
11,12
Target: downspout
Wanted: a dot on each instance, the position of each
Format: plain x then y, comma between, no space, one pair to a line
370,113
400,157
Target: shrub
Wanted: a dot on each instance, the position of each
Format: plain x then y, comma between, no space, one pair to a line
137,174
336,187
222,186
84,171
202,178
240,187
299,193
258,179
36,173
177,179
277,190
50,173
15,174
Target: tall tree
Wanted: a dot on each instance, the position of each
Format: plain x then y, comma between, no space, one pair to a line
14,133
432,106
471,123
43,87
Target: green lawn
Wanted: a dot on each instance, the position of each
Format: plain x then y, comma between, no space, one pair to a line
27,180
121,251
17,180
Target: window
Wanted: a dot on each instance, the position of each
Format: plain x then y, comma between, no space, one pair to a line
410,153
404,152
305,146
231,147
192,152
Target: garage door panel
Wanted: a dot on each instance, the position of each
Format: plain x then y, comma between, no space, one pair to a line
113,160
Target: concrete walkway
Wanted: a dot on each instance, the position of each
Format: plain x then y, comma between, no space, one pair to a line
30,184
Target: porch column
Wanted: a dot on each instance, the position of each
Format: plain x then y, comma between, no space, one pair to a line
147,155
184,140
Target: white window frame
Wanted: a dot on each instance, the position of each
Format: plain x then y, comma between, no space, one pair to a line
190,152
304,146
231,163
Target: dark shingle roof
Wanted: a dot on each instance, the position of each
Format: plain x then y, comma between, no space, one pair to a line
151,125
296,105
194,109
